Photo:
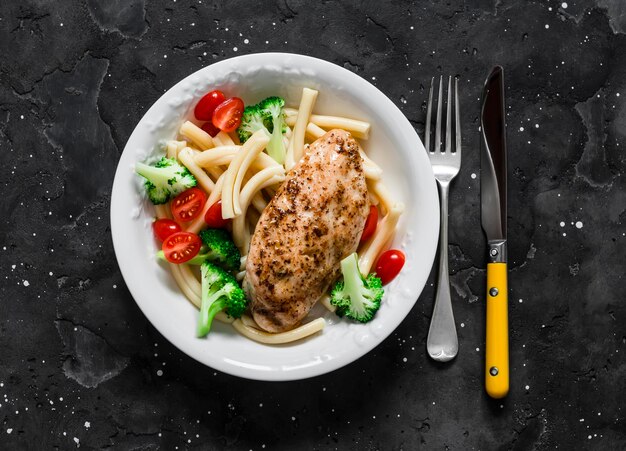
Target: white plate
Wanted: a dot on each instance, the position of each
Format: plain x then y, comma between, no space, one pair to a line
393,144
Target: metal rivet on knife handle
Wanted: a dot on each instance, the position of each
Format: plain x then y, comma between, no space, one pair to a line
493,292
493,371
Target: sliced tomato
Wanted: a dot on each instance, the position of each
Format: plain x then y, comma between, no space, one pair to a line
213,216
227,115
210,128
207,104
181,247
370,224
188,204
389,265
165,227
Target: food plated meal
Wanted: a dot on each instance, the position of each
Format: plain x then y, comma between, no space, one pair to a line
276,210
281,214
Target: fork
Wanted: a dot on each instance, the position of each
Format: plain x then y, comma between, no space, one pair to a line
442,343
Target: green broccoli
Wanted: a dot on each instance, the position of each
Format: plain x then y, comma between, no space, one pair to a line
220,249
273,108
166,179
220,291
267,115
356,297
252,120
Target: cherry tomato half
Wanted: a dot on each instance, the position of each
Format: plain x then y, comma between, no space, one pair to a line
210,128
213,216
370,224
227,115
188,204
207,104
165,227
389,265
181,247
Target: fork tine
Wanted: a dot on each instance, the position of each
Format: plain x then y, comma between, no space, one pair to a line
438,124
429,111
449,117
457,115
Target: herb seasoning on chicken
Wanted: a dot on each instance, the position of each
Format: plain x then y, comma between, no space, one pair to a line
315,220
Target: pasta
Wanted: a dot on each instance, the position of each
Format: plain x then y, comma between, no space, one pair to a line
284,337
296,143
359,129
236,171
186,157
197,136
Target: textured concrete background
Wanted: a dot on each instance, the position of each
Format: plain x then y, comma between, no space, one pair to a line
81,366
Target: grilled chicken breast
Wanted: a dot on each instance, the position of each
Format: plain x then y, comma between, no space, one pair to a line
314,221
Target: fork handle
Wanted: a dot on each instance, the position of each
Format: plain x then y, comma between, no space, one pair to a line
442,343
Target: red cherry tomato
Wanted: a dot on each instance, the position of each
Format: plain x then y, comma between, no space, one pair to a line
370,224
210,128
227,115
188,204
165,227
389,265
213,216
181,247
205,107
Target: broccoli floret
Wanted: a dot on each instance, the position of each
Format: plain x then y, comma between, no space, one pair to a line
356,297
273,108
220,249
166,179
267,115
220,291
253,119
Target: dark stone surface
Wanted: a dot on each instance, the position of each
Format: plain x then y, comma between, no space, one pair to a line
80,364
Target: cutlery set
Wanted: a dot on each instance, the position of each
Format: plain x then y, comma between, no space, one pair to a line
442,343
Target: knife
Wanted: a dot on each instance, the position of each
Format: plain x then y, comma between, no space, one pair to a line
493,220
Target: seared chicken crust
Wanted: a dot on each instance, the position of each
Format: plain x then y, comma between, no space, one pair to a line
314,221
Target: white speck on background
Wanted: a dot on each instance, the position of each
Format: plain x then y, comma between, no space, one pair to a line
564,5
579,224
26,283
9,430
562,224
246,41
527,387
77,442
473,175
521,129
477,349
159,372
462,324
520,301
234,49
404,359
547,26
87,424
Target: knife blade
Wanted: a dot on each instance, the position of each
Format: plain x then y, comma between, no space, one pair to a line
493,219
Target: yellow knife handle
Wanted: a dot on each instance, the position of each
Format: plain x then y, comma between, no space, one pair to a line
497,340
